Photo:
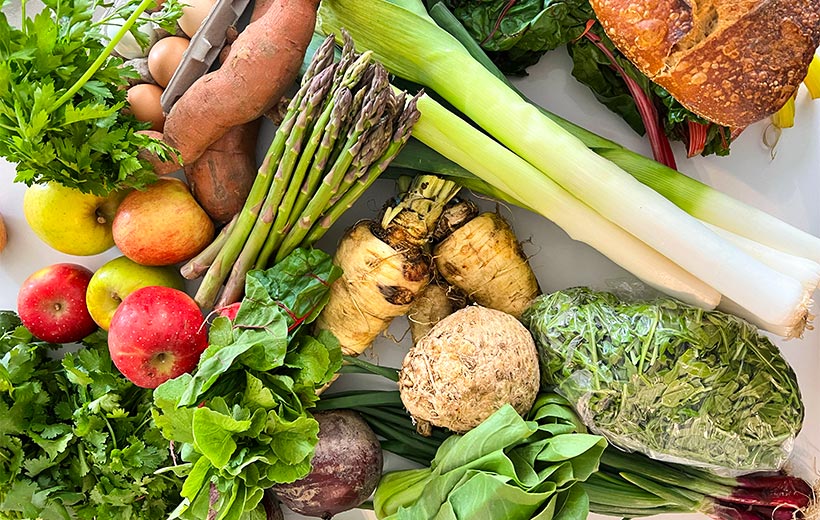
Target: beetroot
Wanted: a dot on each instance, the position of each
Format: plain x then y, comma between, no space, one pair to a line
346,467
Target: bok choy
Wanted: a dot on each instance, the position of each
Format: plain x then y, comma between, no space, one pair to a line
412,46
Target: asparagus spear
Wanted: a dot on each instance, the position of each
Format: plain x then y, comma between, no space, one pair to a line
400,137
219,269
341,130
373,107
279,186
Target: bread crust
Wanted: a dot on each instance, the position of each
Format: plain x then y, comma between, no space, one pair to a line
733,62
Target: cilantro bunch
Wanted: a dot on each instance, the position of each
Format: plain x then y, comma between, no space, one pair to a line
241,420
76,437
62,97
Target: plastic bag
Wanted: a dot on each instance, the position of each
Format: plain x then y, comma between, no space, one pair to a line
672,381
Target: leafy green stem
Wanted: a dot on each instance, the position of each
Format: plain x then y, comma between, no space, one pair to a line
103,55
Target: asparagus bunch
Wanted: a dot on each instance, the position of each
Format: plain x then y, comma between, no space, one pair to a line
342,129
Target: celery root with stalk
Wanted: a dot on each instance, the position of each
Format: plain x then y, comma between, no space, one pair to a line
385,265
342,128
665,240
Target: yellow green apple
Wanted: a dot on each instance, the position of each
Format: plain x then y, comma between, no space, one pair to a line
162,224
69,220
118,278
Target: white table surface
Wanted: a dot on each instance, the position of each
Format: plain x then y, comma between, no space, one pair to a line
786,185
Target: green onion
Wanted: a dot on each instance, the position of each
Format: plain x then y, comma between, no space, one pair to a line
412,46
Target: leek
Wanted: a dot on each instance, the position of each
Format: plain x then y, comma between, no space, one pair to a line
412,46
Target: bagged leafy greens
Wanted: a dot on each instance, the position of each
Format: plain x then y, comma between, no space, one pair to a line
674,382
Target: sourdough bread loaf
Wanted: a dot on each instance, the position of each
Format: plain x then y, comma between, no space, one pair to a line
731,61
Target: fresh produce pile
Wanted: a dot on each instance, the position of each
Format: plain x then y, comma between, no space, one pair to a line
134,390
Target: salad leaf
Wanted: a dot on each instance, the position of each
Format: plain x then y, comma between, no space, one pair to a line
57,122
241,421
76,439
669,380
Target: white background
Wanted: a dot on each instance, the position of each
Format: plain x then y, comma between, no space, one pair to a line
785,185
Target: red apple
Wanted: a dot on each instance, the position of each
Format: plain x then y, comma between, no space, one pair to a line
162,224
157,333
229,311
51,303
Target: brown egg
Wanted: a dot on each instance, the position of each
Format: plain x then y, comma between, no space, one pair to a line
164,58
145,106
193,14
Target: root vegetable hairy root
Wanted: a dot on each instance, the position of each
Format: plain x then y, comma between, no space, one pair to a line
435,302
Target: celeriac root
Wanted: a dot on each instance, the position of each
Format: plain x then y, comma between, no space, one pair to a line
484,259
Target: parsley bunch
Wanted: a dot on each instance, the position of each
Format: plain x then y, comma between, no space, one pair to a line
76,438
62,96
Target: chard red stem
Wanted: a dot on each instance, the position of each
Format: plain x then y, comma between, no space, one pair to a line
696,138
661,149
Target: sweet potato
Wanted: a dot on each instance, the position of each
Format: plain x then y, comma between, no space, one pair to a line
222,177
262,64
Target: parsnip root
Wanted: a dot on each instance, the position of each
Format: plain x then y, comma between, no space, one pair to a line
484,259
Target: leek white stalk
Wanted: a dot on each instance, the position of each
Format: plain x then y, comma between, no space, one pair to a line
782,330
494,163
412,46
806,271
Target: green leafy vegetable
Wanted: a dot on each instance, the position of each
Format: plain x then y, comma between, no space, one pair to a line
62,98
241,420
669,380
506,467
76,437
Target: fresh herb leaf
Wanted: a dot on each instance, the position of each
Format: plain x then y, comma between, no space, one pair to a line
56,123
76,440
